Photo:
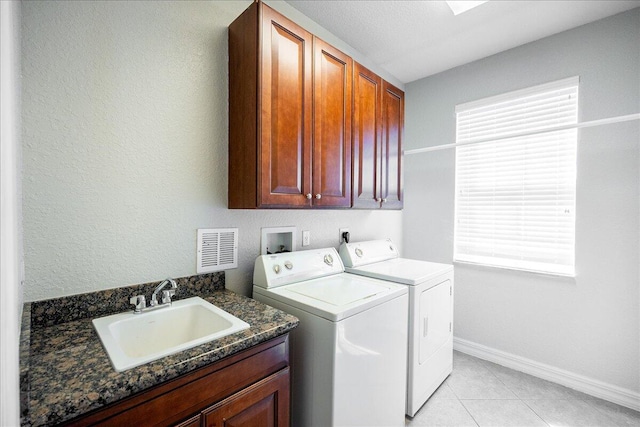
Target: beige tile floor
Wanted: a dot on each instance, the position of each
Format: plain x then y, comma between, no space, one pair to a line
481,393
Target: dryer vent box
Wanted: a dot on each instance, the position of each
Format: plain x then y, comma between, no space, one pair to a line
217,249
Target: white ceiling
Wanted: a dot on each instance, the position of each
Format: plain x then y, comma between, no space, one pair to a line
415,39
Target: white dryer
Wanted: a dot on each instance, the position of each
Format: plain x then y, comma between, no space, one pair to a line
430,344
348,354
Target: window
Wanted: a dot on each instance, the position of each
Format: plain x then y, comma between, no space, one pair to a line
516,187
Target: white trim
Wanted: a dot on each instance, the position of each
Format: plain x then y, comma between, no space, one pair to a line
591,123
525,270
591,386
520,93
10,228
460,6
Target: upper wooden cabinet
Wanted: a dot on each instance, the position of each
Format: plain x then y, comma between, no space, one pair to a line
289,115
332,126
392,138
367,138
378,132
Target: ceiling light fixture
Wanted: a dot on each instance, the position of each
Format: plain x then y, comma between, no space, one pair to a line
458,7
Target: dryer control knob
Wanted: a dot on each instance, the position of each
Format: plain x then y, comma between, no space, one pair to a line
288,265
276,268
328,259
359,252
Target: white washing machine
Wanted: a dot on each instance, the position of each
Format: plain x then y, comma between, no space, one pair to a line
349,353
430,345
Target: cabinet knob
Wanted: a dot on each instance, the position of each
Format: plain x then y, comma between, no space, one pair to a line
318,196
384,200
378,199
309,196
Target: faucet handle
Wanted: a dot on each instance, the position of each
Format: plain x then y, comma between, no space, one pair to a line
167,294
139,302
154,300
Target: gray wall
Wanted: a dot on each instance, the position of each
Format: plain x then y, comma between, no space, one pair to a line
588,325
125,146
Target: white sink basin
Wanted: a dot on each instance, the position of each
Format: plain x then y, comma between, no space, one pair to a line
135,339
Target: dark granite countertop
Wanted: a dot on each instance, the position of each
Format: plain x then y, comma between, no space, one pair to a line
66,372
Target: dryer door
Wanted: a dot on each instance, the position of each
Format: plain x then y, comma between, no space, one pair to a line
435,319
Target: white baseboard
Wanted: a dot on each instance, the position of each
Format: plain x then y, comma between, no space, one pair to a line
593,387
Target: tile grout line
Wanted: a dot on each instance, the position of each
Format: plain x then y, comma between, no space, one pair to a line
488,367
470,414
534,411
595,408
463,405
601,415
590,404
460,401
491,372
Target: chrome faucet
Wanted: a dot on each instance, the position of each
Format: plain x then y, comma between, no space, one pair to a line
140,302
167,294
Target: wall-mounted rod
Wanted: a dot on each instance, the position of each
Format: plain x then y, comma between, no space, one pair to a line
592,123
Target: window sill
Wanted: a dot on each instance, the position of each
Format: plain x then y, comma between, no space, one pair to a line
557,276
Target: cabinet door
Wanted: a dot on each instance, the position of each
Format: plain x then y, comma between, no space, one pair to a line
332,126
392,137
286,112
264,404
367,141
191,422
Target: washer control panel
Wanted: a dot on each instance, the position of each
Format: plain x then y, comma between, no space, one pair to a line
288,267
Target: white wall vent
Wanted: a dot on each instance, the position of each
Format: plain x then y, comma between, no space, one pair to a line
217,249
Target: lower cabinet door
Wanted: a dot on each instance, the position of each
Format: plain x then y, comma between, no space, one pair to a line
263,404
191,422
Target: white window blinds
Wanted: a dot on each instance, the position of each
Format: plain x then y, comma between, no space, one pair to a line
515,197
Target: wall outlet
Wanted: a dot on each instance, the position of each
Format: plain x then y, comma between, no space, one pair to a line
341,231
306,238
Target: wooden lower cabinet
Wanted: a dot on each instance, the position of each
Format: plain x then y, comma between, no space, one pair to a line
191,422
250,388
264,404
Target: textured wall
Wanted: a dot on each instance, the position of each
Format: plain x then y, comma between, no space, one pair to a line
125,146
588,325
